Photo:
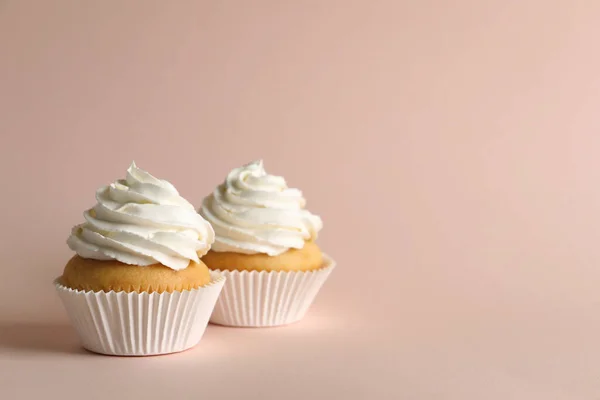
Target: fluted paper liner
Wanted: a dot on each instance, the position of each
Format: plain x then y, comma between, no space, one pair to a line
261,299
140,324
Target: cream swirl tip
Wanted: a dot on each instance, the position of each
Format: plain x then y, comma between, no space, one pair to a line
254,212
142,220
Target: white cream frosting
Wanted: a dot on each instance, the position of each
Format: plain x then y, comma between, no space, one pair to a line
254,212
142,220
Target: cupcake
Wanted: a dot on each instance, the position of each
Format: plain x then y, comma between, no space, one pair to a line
265,247
136,285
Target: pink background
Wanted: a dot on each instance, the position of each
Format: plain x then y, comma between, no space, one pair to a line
451,148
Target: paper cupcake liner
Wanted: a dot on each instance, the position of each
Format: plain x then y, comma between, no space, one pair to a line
261,299
140,324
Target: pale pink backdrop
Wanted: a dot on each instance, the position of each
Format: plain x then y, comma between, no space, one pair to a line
451,148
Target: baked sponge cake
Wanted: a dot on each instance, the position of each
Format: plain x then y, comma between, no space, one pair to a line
308,258
111,275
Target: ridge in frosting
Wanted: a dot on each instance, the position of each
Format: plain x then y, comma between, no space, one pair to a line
254,212
142,220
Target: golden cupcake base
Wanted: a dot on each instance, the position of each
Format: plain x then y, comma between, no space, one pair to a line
308,258
94,275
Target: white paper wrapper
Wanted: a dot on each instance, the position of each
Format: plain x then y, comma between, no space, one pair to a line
140,324
261,299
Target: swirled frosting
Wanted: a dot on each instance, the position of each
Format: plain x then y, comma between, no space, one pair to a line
142,220
254,212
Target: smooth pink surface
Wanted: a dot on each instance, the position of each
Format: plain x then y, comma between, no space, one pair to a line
450,147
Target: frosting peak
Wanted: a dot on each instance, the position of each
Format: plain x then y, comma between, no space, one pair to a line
254,212
142,220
